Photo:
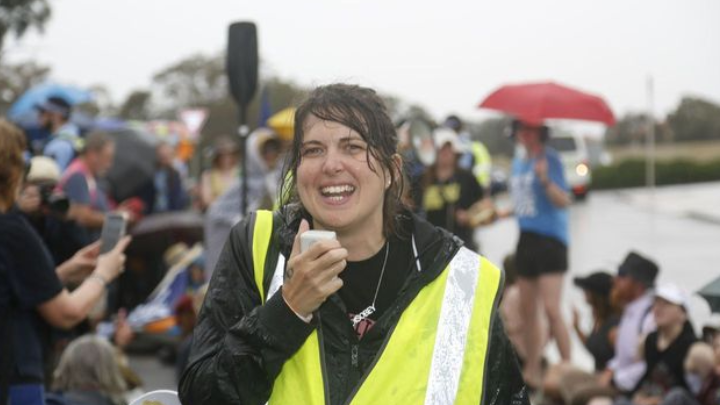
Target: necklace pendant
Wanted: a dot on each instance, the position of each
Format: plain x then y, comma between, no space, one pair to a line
363,315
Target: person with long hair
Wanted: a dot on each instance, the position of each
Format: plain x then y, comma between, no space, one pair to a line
391,310
448,191
224,171
89,373
600,341
32,296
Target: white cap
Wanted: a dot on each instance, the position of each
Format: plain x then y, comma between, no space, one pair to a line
43,168
672,294
442,135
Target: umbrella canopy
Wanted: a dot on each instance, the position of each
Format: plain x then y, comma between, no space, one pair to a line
156,232
536,102
134,164
26,103
283,123
711,293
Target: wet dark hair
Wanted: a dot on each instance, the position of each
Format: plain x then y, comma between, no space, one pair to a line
363,111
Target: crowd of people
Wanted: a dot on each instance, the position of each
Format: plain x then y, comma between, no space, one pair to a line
397,308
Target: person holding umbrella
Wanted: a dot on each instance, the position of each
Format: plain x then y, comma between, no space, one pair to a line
540,197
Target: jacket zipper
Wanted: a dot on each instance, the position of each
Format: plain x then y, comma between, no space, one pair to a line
321,343
354,355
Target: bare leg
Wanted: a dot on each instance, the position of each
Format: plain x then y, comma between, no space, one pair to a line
550,286
529,310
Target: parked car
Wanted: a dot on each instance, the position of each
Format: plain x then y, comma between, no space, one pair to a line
574,154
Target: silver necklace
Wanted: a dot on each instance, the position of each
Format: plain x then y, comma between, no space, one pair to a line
371,309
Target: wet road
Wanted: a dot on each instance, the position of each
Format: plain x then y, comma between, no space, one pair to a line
678,227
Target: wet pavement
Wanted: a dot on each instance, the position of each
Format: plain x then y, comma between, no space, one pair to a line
677,226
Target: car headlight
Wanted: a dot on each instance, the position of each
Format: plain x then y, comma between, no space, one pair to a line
582,169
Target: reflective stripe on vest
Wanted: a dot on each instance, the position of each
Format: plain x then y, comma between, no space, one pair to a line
449,319
260,243
483,164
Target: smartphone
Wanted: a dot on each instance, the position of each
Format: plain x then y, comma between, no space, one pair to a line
112,231
312,236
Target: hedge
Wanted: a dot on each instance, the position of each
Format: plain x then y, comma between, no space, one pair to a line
631,173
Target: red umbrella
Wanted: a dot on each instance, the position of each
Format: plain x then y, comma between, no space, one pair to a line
535,102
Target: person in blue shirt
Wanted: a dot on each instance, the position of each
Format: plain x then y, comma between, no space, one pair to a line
65,141
540,196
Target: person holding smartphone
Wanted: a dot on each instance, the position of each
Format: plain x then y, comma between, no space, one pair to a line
391,310
32,295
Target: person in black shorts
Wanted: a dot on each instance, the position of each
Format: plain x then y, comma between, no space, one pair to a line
540,197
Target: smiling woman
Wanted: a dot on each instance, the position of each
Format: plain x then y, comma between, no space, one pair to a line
392,311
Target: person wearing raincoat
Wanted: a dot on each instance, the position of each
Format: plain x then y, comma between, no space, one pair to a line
394,310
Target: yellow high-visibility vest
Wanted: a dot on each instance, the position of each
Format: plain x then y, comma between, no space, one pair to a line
436,353
483,164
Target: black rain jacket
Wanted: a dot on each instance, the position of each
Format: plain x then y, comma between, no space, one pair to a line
239,345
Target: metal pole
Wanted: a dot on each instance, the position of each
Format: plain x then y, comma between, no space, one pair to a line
243,131
650,141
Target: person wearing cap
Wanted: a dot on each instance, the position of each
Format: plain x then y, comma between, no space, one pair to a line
633,290
540,197
449,191
600,342
46,209
64,142
476,158
664,350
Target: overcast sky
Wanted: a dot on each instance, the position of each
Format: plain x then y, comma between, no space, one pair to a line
444,55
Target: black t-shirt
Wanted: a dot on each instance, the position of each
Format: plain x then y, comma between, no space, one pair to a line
27,279
665,369
599,345
361,281
441,199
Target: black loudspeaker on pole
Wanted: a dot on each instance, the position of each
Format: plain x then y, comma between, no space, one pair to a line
242,72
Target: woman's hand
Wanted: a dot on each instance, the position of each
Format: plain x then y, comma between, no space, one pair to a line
112,263
576,318
541,171
123,332
80,265
312,276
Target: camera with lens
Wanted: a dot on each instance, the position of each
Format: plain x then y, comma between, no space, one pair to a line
53,202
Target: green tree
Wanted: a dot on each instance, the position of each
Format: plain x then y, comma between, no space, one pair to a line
16,79
17,16
630,129
695,119
194,81
493,133
201,81
136,106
